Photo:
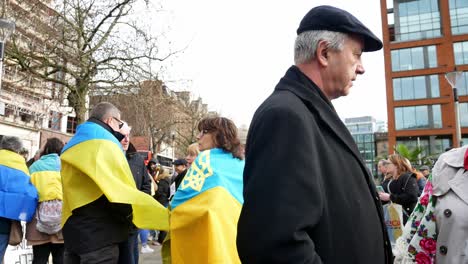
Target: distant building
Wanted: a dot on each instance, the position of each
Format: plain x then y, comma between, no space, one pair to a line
362,129
424,40
32,108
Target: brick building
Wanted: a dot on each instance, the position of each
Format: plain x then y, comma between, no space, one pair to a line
424,40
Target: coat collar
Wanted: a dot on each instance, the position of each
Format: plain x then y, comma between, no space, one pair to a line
299,84
449,173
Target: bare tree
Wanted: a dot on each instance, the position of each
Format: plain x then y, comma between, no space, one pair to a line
158,113
87,45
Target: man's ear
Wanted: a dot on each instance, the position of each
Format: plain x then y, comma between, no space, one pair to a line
322,53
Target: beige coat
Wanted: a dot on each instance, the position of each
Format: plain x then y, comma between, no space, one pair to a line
450,185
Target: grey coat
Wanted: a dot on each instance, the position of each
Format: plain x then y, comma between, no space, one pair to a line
450,185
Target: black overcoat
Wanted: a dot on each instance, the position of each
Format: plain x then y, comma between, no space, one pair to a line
308,196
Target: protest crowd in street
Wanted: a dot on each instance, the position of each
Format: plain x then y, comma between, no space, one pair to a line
298,191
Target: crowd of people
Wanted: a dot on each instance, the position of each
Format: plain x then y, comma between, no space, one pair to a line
298,192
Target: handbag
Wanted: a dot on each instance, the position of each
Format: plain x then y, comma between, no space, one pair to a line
16,233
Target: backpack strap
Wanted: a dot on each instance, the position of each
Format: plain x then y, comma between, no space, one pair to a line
407,179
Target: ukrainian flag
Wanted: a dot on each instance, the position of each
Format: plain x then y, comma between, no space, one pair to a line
45,175
205,210
18,197
93,164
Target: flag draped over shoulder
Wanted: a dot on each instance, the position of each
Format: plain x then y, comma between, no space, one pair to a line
205,210
93,164
45,175
18,197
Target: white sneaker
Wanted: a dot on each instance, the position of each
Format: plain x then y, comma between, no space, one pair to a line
146,249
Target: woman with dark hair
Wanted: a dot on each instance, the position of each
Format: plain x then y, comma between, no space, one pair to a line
206,207
44,232
402,187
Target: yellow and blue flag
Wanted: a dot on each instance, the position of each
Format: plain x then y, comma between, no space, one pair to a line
93,164
18,197
45,175
205,210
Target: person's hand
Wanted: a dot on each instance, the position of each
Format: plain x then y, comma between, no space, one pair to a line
384,196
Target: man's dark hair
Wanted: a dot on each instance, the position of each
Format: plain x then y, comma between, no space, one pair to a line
53,145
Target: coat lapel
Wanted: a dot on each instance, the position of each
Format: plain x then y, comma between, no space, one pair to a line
316,102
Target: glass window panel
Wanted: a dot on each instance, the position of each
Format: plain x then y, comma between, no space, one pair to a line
407,91
422,120
413,8
434,86
417,58
409,117
435,6
457,50
432,54
396,89
417,19
405,59
402,7
463,87
463,108
419,83
395,60
465,52
437,116
399,118
424,6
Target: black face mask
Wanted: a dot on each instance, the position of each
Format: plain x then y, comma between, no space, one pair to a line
118,135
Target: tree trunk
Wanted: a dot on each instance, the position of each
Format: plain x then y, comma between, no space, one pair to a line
77,100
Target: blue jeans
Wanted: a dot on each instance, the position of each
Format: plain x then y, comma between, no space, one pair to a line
144,236
134,247
3,244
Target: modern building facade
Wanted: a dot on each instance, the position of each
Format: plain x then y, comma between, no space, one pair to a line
424,40
362,129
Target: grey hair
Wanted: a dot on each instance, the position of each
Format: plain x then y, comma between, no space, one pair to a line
11,143
306,44
104,110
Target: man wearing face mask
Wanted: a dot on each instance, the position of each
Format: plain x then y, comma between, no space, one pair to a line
100,199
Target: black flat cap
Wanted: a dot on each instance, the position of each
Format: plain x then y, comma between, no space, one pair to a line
334,19
178,162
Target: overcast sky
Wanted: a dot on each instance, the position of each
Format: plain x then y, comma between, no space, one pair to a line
238,50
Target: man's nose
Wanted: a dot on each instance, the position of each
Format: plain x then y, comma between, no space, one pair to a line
360,69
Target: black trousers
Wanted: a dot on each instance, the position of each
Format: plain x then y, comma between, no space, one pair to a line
41,253
106,255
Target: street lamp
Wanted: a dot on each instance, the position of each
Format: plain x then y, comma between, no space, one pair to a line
455,78
6,28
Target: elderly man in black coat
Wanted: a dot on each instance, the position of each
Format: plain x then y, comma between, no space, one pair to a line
308,195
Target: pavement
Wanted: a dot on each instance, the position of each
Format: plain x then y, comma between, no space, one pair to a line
151,258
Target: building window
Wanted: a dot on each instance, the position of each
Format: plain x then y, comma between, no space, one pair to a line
417,117
462,88
460,50
417,87
432,145
414,58
459,16
55,120
71,124
416,19
463,108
